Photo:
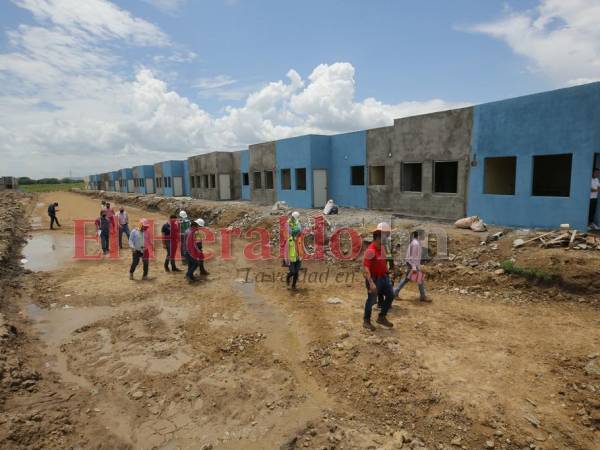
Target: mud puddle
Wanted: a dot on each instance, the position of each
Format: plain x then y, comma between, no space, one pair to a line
287,344
55,325
48,251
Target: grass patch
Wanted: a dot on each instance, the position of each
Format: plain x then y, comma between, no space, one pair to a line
50,187
531,273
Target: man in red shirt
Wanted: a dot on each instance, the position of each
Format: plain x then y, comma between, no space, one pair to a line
377,282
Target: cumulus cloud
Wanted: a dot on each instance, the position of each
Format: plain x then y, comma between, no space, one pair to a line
560,38
71,103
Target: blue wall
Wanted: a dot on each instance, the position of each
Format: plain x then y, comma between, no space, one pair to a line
349,149
126,174
172,169
294,153
145,172
563,121
336,154
245,168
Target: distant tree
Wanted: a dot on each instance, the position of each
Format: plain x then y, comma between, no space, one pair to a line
48,181
26,180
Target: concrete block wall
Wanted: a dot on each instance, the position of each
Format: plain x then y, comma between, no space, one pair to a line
203,167
426,139
262,159
159,181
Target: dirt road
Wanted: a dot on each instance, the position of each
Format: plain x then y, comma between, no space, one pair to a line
229,364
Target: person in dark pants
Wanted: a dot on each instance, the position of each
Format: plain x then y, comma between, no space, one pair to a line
123,223
170,233
594,199
191,251
377,281
103,227
139,250
52,209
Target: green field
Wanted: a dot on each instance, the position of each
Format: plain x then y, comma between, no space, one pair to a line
50,187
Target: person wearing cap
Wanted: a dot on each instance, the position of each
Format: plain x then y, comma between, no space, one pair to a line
413,264
139,249
377,281
294,250
192,255
170,233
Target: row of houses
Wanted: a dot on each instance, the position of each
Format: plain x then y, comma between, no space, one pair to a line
523,162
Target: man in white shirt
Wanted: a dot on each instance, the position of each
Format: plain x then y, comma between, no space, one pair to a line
594,198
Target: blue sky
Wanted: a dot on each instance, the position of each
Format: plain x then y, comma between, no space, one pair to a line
150,80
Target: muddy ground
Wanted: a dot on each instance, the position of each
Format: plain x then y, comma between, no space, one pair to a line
93,360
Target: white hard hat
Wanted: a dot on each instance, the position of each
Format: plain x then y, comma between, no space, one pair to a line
200,222
296,215
183,214
384,227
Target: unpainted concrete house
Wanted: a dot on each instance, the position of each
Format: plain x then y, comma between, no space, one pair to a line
261,171
8,183
215,176
420,165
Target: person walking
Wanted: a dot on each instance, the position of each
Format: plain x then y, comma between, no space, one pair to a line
123,222
103,228
184,225
110,215
170,233
594,199
191,251
139,249
377,282
52,210
413,268
294,250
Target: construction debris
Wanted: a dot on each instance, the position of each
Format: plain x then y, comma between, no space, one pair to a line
570,239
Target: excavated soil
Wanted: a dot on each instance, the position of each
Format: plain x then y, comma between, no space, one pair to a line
93,360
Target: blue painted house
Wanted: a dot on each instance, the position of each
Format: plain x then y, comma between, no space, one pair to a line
125,181
245,174
143,179
172,178
312,169
532,158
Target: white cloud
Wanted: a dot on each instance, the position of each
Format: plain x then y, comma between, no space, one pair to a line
97,19
70,102
561,38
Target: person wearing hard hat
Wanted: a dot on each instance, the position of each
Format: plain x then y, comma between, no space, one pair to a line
413,264
377,280
184,225
139,248
294,250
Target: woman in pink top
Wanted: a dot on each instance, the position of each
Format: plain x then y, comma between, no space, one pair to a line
413,263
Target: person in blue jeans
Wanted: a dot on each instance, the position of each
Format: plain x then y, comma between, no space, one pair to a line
377,281
103,226
413,265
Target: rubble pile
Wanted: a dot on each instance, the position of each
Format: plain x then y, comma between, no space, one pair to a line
564,238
